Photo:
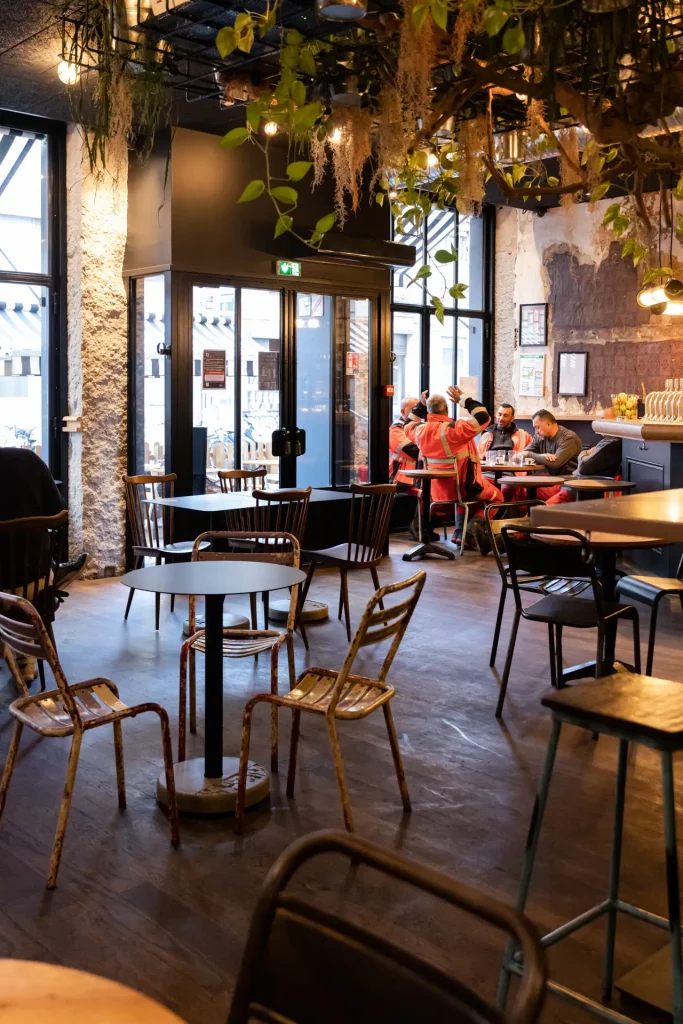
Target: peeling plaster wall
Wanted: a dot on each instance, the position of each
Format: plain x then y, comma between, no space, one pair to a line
565,259
97,355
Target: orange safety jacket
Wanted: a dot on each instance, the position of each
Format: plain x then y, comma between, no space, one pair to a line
520,439
403,453
445,443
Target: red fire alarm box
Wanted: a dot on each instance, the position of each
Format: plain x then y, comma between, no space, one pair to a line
387,390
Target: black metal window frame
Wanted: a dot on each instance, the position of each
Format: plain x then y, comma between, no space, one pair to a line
426,310
55,278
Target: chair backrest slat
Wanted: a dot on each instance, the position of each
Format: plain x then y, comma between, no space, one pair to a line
369,518
495,526
238,480
33,549
549,551
151,525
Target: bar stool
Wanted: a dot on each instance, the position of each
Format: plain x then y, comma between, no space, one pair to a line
633,709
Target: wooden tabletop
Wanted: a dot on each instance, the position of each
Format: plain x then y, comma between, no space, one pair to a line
220,502
510,467
37,993
202,579
532,481
600,539
431,474
652,513
578,483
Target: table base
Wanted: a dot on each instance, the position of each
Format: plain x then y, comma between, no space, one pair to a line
313,611
198,795
431,548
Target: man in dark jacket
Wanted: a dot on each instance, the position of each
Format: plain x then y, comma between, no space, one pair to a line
604,459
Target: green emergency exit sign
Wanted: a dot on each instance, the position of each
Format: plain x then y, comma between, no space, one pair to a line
286,268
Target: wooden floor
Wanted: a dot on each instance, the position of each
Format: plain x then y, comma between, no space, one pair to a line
173,923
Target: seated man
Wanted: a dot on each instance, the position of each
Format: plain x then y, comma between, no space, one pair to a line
447,443
553,447
604,459
504,435
403,453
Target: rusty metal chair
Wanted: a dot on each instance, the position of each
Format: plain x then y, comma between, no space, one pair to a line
30,551
371,506
69,710
280,548
339,695
151,527
239,480
354,973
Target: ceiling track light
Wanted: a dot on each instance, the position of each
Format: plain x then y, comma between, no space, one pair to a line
342,10
666,300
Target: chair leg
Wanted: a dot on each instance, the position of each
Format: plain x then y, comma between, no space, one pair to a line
339,770
41,673
293,750
244,764
266,607
376,583
309,576
254,613
274,671
167,748
193,692
291,664
599,654
157,604
673,899
64,809
499,623
553,655
300,621
182,702
651,637
396,754
120,770
615,867
559,671
341,595
530,855
10,762
508,664
172,603
464,529
636,643
138,563
345,595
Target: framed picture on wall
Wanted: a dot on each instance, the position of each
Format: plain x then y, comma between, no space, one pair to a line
533,324
572,373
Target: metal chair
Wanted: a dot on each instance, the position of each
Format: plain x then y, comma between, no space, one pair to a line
353,974
281,548
151,527
30,551
239,480
532,551
649,590
68,711
370,513
530,585
341,695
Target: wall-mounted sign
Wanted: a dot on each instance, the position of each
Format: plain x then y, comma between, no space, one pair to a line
572,372
533,324
213,368
352,364
269,371
286,268
531,374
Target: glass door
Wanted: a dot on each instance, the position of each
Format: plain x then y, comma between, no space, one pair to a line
260,354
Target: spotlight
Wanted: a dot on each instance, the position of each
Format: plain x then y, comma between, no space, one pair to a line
68,73
336,137
433,160
270,128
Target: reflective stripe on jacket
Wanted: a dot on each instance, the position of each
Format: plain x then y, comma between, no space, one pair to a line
445,443
520,439
402,454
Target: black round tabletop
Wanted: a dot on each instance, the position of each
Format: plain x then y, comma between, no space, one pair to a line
206,579
590,484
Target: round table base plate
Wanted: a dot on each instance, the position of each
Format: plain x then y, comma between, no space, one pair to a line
231,620
198,795
313,611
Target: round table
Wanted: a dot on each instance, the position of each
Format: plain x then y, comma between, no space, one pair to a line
427,547
510,467
530,482
590,487
208,785
37,993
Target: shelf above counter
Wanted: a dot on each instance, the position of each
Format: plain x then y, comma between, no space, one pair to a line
639,430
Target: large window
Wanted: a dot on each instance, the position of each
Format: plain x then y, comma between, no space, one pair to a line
25,290
428,355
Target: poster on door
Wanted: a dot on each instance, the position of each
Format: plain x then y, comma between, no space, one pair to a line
352,364
269,371
213,369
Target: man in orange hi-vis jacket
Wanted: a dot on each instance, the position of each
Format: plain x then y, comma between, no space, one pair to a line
447,443
403,453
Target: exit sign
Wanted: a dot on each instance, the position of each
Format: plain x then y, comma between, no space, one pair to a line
285,268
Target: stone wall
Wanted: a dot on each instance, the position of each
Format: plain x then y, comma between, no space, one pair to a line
97,355
567,259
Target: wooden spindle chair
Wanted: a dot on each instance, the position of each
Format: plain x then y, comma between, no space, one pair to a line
151,527
279,548
30,551
68,710
240,480
371,506
341,695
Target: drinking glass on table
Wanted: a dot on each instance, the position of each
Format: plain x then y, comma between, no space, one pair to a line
516,458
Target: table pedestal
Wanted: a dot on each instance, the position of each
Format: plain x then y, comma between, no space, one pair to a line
198,795
427,547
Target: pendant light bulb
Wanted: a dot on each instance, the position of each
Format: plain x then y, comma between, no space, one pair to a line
68,73
433,160
270,128
673,309
648,297
336,137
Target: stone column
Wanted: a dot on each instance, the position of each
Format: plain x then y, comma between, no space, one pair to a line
97,210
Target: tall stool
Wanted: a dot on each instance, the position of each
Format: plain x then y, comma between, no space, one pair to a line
633,709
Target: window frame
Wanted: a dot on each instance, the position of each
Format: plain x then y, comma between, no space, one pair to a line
425,310
54,280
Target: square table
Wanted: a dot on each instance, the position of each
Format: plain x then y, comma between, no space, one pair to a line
652,513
